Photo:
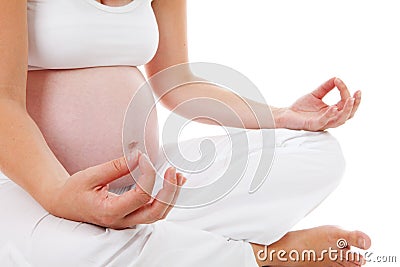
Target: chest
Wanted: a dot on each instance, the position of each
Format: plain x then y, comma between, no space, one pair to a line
85,33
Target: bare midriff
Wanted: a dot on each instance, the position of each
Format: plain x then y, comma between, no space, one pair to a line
114,2
81,113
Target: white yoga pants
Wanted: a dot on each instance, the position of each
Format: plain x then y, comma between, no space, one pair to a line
307,167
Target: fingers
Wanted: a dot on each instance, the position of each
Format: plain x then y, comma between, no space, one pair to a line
134,199
181,181
116,208
105,173
342,116
134,208
120,206
324,119
162,203
145,183
165,197
347,105
344,91
324,88
132,159
357,97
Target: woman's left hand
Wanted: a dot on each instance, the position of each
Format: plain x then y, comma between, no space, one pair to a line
311,113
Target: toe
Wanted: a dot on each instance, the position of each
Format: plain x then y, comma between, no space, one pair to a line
348,258
350,264
360,260
359,239
355,259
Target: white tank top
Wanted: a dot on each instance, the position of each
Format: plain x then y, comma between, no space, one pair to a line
69,34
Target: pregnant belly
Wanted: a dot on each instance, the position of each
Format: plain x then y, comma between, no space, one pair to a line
81,112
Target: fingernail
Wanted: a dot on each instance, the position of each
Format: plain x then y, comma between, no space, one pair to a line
338,80
134,153
361,243
179,178
173,174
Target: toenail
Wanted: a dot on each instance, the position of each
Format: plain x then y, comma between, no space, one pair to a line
361,243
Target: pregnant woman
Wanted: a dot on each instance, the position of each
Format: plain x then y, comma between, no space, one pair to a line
68,71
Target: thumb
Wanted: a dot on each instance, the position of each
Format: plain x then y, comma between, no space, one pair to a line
103,174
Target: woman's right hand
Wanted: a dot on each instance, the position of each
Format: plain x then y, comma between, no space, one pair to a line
84,197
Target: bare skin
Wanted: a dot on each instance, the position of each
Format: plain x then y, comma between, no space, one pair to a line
59,174
316,239
114,2
70,103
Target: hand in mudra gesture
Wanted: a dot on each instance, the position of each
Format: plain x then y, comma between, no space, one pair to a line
311,113
85,197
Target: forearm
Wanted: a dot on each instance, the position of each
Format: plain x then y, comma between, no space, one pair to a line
25,156
217,105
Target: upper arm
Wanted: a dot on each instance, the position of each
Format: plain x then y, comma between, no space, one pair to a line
13,49
172,24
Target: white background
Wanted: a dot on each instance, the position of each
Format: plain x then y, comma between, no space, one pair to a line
288,48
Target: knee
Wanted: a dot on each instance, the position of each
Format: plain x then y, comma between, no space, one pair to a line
316,154
319,153
330,157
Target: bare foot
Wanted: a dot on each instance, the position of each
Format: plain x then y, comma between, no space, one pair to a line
316,247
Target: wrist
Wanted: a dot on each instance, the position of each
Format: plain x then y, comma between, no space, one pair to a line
279,115
49,194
